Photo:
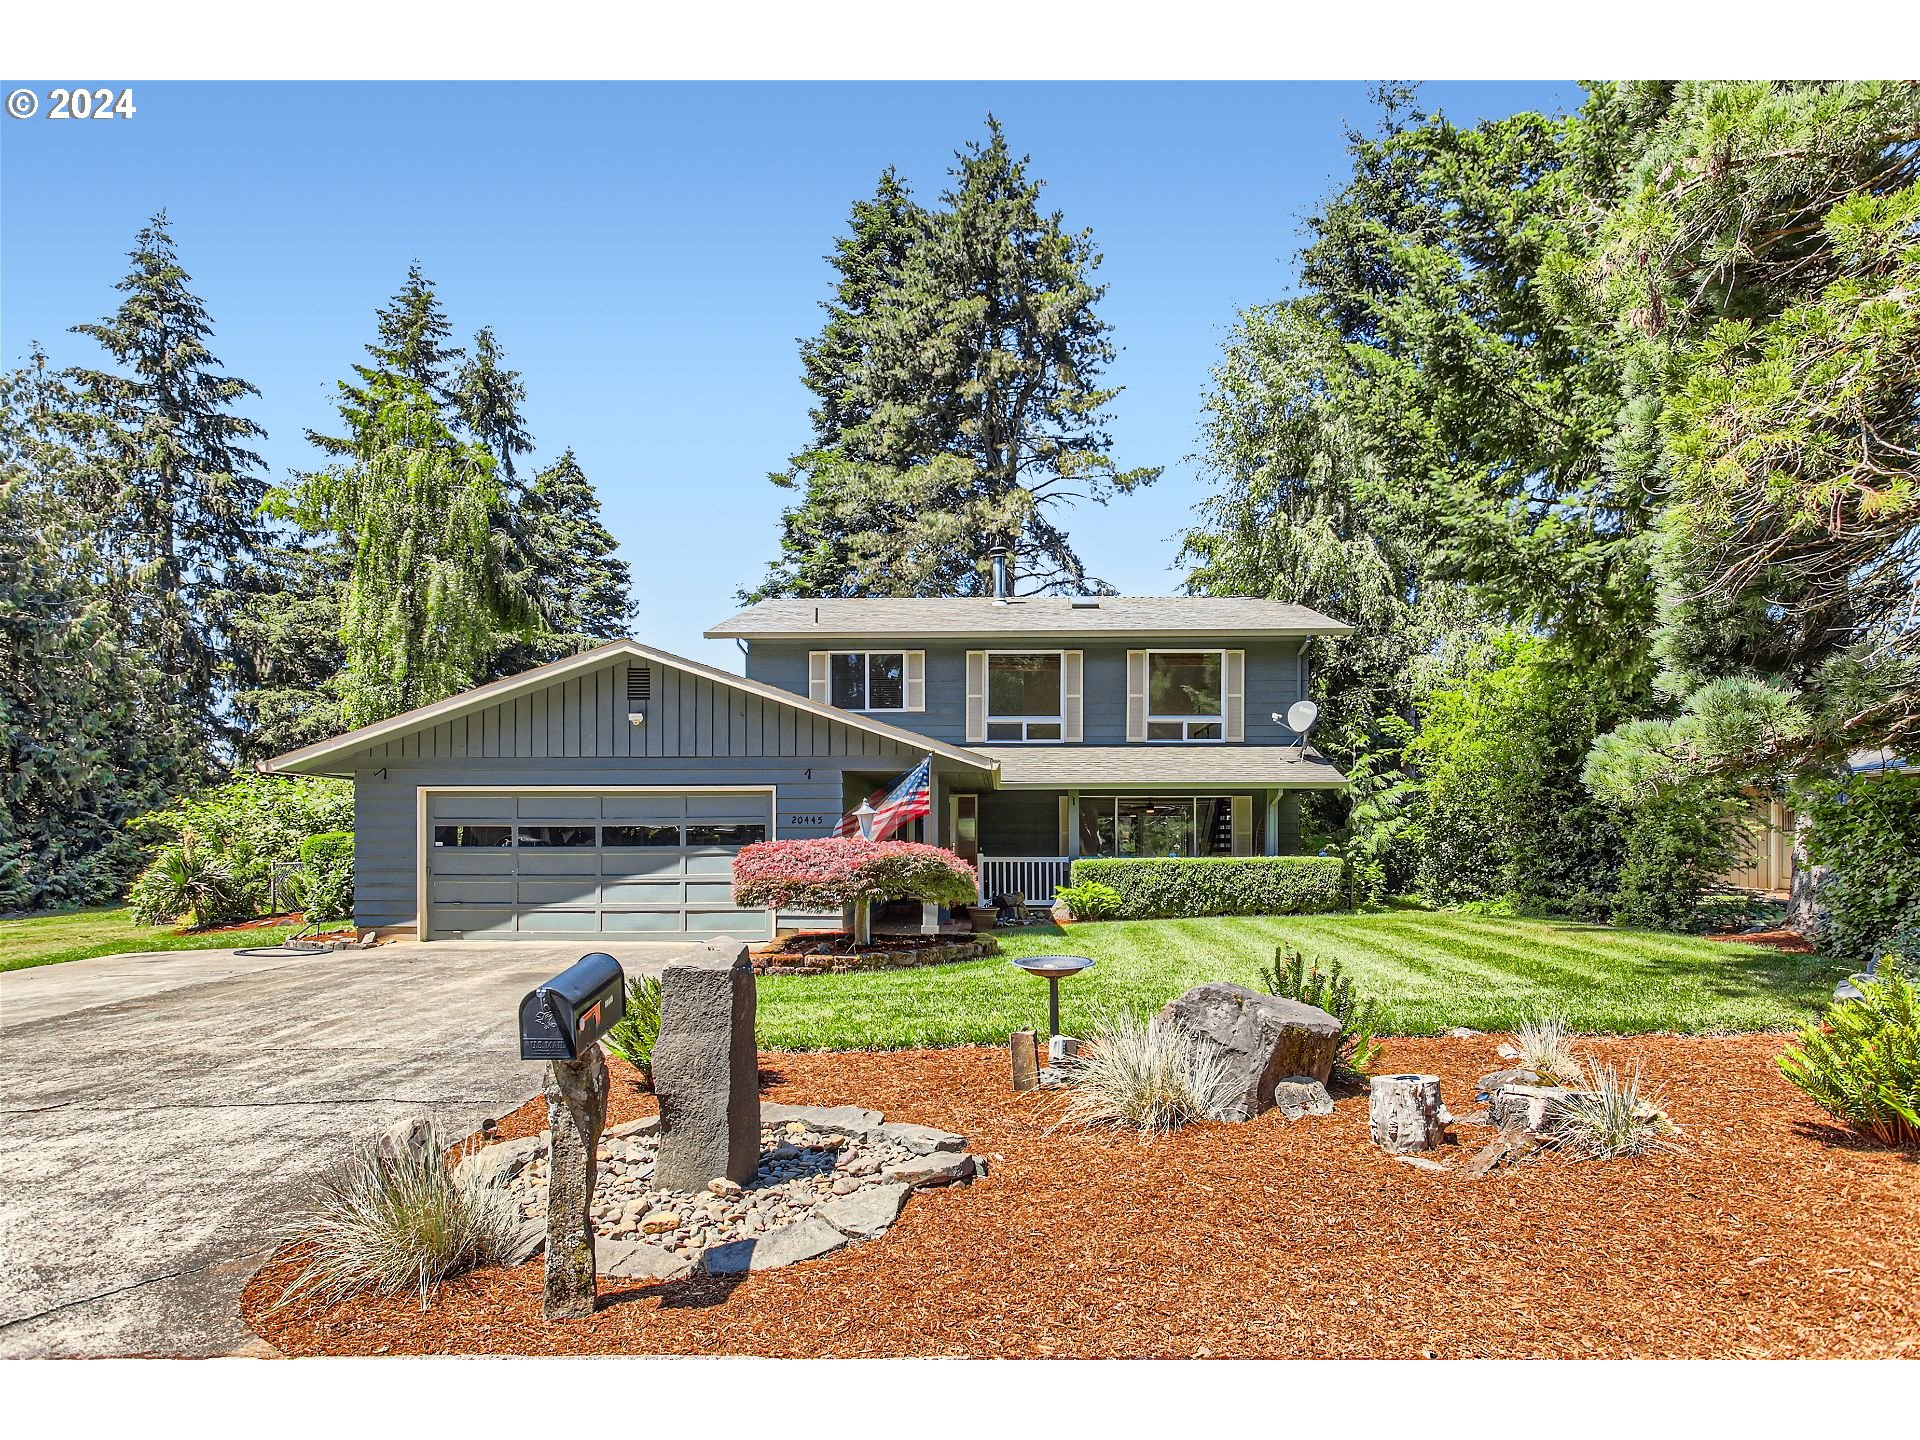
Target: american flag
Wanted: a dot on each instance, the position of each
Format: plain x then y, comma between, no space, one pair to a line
910,797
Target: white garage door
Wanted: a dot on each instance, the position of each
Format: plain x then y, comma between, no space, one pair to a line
613,864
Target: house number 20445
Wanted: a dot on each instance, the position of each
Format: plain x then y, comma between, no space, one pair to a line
801,822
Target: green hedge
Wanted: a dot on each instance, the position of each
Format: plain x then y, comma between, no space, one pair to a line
1866,830
327,860
1177,889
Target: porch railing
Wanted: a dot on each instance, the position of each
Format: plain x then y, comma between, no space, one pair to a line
1034,876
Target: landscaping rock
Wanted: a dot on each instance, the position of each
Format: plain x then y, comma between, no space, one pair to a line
829,1119
1487,1086
1531,1108
407,1142
1297,1096
1501,1150
1421,1162
939,1168
706,1070
530,1240
497,1164
645,1125
806,1240
924,1139
638,1260
1462,1032
1258,1038
1023,1047
1405,1112
576,1093
867,1212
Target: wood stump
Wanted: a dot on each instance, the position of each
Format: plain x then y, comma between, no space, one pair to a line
1023,1045
1406,1113
576,1092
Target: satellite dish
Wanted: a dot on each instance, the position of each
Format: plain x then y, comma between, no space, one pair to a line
1301,715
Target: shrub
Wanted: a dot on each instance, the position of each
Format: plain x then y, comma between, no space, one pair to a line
1174,889
1608,1118
1676,846
1294,977
252,825
1091,901
1545,1049
392,1223
835,872
186,884
326,863
1141,1075
1866,831
633,1038
1861,1061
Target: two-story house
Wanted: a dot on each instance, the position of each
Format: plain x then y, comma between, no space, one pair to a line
604,796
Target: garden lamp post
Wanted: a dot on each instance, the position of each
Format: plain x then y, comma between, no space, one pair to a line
864,813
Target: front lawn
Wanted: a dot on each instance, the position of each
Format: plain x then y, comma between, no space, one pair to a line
1430,971
60,935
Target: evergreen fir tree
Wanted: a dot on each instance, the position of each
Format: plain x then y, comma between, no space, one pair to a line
291,655
410,335
174,488
488,397
959,377
576,576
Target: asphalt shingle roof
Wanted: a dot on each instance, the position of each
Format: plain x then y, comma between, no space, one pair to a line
1118,766
1049,615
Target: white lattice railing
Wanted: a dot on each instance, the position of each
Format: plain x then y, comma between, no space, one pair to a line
1034,876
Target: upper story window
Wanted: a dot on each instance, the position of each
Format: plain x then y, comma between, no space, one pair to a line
1185,695
1023,696
869,680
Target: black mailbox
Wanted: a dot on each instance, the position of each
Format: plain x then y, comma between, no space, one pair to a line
561,1018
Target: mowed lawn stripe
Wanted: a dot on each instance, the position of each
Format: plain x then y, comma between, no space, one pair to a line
1428,970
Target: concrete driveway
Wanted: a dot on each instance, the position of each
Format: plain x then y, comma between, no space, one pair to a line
163,1116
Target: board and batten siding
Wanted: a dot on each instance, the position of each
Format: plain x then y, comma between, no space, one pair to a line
697,733
1276,676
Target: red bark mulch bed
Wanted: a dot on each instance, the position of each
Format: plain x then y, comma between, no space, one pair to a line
1792,942
1771,1233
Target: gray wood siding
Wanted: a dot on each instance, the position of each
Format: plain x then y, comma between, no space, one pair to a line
575,732
1276,677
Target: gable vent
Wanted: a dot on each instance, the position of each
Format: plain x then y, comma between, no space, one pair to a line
639,686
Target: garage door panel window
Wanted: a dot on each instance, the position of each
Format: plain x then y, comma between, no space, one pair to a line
473,836
572,837
726,834
622,837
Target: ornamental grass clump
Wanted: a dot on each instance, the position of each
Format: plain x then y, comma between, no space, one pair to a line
1137,1074
1609,1118
1861,1061
390,1223
1545,1048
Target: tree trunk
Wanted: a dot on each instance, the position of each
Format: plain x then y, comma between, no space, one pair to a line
1803,905
1406,1113
863,922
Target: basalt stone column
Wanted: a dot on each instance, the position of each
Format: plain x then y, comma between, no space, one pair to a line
706,1069
576,1092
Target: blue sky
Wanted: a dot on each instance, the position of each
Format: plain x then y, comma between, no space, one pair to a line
649,253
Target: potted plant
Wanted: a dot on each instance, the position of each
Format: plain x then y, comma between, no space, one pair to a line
982,917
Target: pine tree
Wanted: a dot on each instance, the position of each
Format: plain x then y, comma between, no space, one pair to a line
78,756
959,380
411,331
428,594
488,396
575,573
172,482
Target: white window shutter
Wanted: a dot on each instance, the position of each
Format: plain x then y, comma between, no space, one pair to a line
976,697
1243,825
818,690
916,679
1234,693
1072,705
1136,695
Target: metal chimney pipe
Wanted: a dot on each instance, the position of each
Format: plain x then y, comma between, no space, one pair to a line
999,554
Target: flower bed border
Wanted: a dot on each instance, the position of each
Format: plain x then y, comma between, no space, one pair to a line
975,947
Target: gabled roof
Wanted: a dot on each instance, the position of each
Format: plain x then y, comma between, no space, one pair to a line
1151,767
312,759
1143,617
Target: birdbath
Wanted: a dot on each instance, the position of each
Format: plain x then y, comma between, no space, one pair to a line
1053,969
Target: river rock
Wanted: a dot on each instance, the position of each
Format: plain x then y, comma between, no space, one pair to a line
1259,1038
1297,1096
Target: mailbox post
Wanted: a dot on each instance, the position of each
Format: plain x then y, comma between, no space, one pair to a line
561,1022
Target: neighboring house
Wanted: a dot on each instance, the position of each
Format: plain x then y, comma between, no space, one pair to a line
605,795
